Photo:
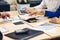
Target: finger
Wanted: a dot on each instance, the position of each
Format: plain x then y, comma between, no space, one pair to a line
4,15
8,15
34,13
28,11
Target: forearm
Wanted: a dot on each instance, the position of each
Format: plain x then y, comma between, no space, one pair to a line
51,14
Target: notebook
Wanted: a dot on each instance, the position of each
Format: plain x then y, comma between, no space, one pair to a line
32,33
20,8
18,22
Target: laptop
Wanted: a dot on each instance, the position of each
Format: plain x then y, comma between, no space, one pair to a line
20,8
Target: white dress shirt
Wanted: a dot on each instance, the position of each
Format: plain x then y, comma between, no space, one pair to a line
51,5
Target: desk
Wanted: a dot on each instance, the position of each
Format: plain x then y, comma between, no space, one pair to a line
11,27
54,33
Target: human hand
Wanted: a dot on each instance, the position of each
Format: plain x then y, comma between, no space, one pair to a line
30,9
33,11
55,20
37,12
4,15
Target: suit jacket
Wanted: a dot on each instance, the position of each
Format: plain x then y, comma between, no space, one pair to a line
53,14
51,5
53,8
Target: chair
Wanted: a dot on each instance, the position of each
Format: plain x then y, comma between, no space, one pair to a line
4,6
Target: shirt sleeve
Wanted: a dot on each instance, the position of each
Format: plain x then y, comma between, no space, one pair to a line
41,6
53,6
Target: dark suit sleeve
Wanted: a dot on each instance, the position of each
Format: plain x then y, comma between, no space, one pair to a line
53,14
58,11
50,14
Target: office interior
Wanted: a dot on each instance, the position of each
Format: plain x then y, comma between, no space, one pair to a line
17,24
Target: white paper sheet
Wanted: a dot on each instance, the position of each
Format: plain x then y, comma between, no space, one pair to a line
16,19
3,30
46,26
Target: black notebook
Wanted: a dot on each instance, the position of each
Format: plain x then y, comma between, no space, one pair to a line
31,20
18,23
32,33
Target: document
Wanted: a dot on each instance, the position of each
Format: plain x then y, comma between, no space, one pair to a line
3,30
46,26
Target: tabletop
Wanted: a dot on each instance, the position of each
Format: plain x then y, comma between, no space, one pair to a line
11,28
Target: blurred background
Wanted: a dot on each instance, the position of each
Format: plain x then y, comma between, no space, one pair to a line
10,5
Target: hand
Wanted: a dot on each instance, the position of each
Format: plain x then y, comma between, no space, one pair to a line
30,10
37,12
33,11
4,15
55,20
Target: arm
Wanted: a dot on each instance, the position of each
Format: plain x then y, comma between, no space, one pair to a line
41,6
52,5
50,14
53,14
58,11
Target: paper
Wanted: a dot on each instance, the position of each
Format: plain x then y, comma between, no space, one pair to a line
40,17
25,17
3,30
53,31
46,26
16,19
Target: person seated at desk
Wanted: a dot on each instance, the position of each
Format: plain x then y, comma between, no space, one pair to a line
49,8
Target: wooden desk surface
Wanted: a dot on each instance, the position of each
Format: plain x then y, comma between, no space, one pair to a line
54,32
11,27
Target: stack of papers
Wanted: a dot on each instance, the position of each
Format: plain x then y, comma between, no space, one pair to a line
25,17
3,30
